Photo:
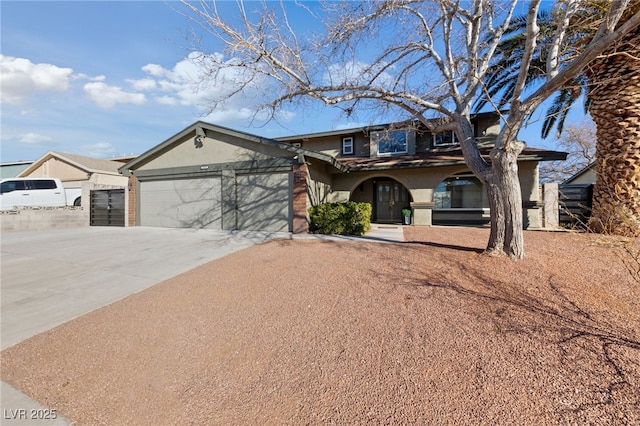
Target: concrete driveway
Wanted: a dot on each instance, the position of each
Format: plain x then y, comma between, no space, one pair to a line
50,277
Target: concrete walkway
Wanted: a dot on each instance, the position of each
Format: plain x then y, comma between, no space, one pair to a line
379,233
51,277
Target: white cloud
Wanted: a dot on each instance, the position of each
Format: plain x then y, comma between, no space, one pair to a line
232,115
35,139
228,94
20,79
154,70
98,150
167,100
106,96
143,84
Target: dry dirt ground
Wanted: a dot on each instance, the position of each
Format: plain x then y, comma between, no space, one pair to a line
313,332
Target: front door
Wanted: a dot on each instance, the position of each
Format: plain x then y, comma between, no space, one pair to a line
391,198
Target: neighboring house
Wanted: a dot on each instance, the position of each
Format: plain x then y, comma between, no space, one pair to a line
575,197
103,193
208,176
13,168
103,187
587,175
74,170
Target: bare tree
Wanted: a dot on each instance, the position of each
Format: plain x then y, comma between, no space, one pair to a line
578,140
425,59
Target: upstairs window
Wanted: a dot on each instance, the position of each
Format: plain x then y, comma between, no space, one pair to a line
347,145
445,138
390,141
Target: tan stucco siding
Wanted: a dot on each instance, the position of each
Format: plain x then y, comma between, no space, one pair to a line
318,184
56,168
211,151
487,126
529,181
111,180
421,183
332,145
587,177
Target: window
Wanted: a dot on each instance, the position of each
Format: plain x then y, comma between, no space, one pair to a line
12,185
347,146
460,192
390,141
444,138
43,184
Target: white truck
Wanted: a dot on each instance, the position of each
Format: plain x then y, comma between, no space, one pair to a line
37,192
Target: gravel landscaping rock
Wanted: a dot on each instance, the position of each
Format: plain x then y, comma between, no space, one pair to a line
429,331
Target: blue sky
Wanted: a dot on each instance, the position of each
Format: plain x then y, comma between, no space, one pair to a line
106,79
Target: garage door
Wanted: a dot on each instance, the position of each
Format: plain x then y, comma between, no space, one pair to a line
263,202
181,203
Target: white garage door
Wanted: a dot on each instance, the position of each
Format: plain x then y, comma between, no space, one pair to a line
263,202
181,203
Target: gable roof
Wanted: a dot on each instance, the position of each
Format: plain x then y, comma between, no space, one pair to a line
200,126
88,164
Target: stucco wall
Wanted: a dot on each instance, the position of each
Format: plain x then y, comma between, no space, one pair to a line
211,151
99,179
332,144
422,183
53,167
37,219
587,177
318,184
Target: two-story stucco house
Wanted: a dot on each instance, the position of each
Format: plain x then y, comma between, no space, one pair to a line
208,176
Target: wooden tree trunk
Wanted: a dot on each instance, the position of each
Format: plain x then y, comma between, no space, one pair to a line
615,108
501,180
505,201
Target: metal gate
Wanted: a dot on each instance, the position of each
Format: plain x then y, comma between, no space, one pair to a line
575,203
107,207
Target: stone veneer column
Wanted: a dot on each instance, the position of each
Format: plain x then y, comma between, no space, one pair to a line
300,222
131,213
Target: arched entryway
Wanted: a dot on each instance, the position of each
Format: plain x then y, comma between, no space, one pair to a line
387,196
460,199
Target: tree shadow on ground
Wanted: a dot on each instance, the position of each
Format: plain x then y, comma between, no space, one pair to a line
447,246
596,350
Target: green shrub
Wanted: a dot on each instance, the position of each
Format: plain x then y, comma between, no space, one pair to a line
348,218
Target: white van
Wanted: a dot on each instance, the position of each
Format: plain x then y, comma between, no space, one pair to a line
42,192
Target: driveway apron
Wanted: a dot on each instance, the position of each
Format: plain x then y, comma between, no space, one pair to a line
51,277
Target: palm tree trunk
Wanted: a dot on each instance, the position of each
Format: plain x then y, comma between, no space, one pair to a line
615,107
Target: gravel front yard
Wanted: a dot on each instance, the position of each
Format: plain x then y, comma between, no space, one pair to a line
312,332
